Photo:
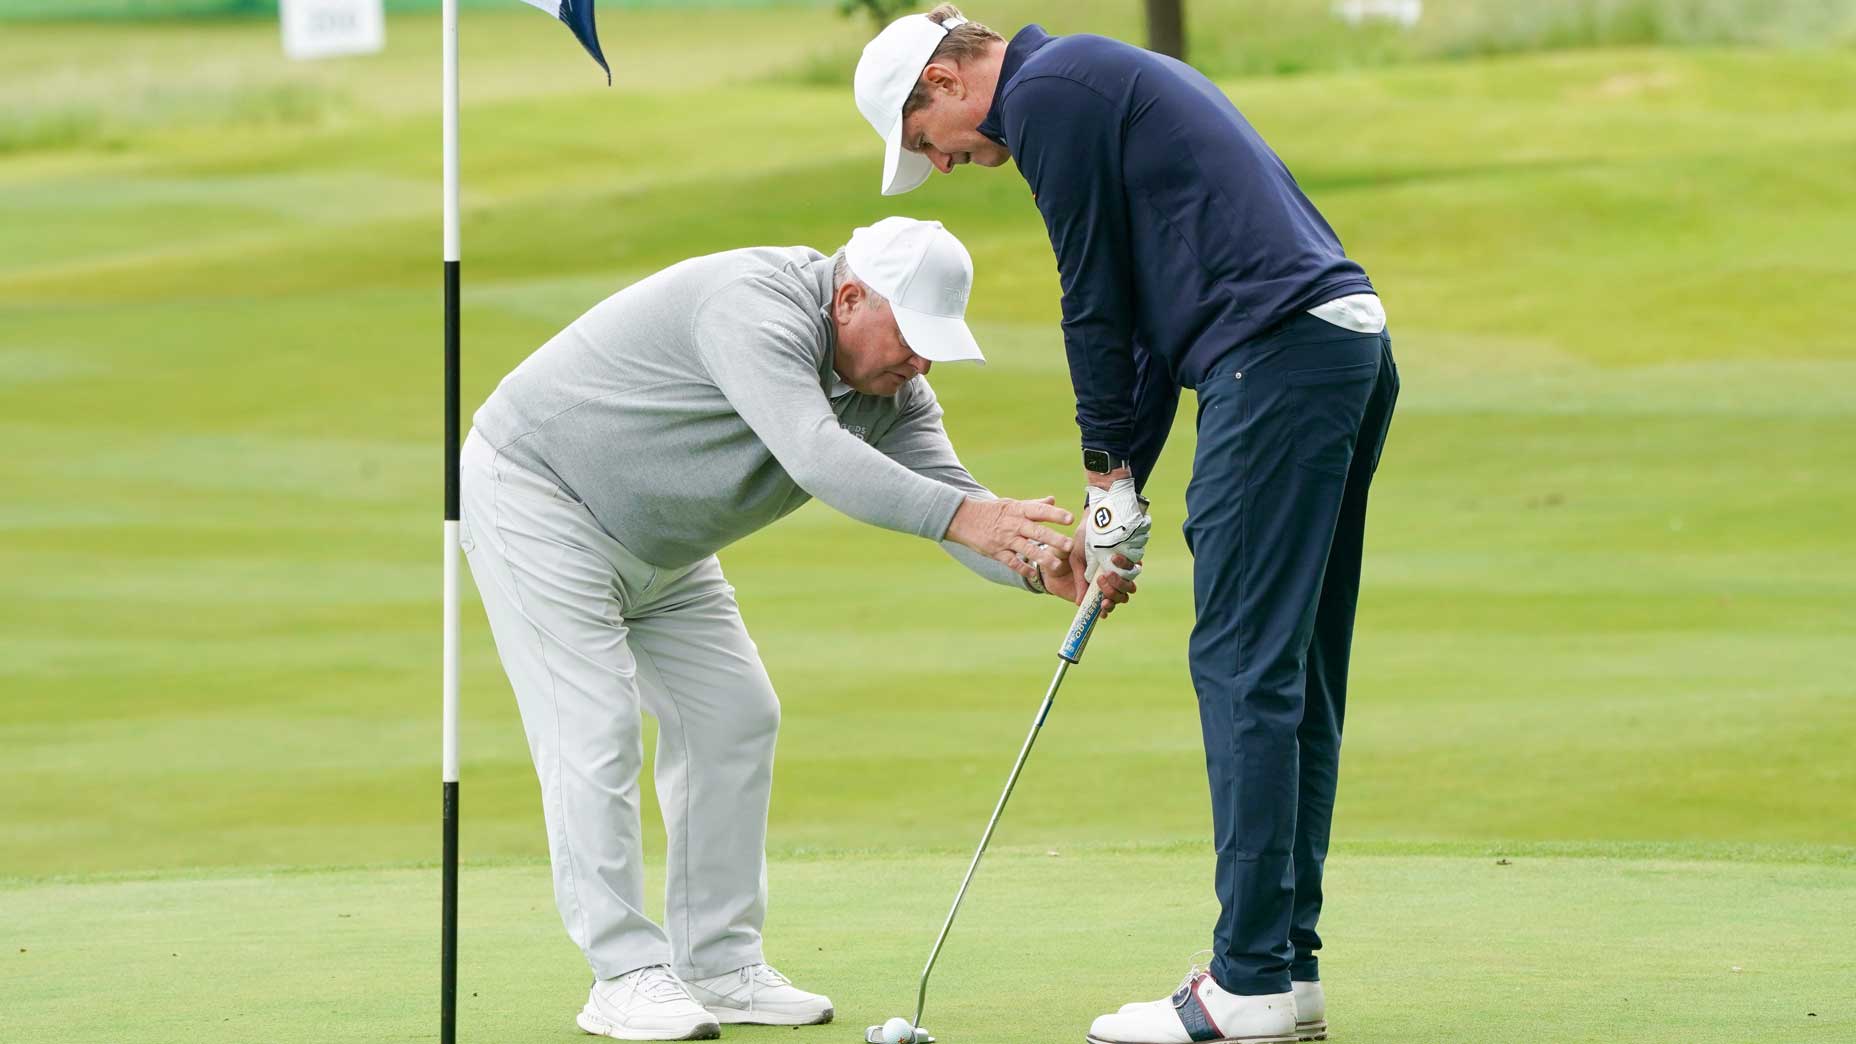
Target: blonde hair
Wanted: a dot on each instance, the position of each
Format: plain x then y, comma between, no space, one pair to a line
963,43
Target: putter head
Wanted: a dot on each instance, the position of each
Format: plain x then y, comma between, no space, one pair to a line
874,1035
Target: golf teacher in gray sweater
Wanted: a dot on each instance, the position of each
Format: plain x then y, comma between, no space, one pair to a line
599,481
1190,258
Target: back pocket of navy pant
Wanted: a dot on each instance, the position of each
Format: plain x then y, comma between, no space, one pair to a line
1328,406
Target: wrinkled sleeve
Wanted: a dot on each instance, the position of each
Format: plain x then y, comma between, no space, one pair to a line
762,350
1067,140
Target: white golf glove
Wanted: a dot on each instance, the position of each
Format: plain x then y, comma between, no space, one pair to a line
1115,523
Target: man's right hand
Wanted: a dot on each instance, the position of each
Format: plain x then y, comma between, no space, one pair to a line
1073,584
1012,532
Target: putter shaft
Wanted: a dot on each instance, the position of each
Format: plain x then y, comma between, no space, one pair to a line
1088,614
921,995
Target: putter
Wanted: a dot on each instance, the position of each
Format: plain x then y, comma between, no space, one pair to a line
1070,652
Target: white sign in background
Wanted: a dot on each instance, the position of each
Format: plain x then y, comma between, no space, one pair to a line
1403,12
325,28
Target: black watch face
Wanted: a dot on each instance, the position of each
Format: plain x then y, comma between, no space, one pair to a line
1096,461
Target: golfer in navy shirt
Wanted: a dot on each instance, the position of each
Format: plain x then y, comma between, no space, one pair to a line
1189,258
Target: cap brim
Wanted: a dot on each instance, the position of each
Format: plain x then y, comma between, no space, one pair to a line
937,338
902,170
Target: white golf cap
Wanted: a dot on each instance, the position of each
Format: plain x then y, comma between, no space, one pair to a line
886,75
927,276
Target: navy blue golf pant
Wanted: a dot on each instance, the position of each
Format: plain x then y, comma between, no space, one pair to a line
1290,429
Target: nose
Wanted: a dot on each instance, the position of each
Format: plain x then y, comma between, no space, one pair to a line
943,161
919,364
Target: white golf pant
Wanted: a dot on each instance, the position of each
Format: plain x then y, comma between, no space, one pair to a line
589,635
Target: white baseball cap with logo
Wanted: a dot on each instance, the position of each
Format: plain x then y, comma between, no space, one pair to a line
886,75
927,276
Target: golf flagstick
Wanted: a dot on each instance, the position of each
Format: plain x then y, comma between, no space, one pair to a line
1070,652
448,899
577,15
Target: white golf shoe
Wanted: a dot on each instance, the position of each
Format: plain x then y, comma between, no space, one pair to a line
1311,1011
761,995
648,1004
1200,1010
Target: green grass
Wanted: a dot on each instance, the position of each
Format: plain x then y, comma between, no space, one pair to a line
1608,593
1436,949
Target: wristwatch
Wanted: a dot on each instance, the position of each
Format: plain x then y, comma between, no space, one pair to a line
1100,462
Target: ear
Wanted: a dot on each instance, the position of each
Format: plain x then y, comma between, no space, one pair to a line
845,301
945,78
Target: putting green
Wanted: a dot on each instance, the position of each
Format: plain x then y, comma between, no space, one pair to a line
1422,947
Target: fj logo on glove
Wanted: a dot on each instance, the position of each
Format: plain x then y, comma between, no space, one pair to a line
1103,517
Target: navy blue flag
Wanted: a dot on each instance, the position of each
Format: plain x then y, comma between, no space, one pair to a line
578,14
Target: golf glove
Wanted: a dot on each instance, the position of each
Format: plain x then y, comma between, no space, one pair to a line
1115,523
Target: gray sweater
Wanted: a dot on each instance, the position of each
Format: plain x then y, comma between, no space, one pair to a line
700,404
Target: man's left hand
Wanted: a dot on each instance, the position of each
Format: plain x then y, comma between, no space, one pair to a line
1115,522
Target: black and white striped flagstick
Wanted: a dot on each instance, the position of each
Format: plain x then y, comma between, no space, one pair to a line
578,16
448,945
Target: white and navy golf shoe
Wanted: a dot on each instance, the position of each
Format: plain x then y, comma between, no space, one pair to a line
1201,1011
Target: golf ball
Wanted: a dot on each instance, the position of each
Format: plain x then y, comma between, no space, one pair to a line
898,1031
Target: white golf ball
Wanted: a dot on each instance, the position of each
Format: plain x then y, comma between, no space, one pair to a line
898,1031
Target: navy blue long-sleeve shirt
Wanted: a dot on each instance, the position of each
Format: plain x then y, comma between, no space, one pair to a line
1178,232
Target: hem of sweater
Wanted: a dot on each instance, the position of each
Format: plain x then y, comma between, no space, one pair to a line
1207,352
528,461
487,423
1326,292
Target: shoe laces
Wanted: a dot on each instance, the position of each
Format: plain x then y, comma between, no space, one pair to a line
1195,970
658,983
765,975
757,975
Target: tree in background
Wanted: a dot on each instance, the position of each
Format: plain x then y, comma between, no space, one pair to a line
1166,27
1166,20
881,12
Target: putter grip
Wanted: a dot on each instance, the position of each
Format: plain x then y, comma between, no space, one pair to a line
1082,626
